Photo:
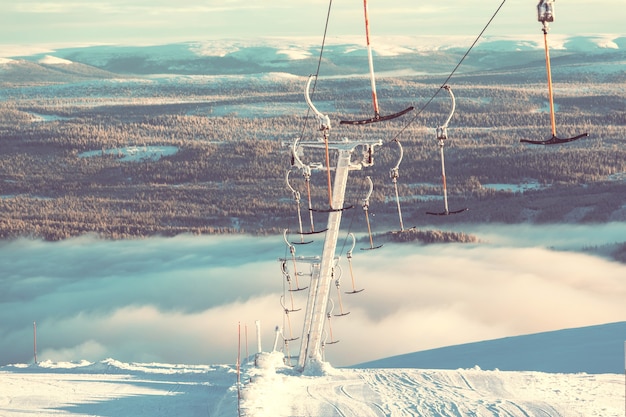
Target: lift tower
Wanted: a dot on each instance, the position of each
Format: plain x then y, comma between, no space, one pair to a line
324,266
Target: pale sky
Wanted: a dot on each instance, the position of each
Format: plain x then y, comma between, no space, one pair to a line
80,22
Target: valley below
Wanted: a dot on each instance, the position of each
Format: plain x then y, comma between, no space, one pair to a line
125,143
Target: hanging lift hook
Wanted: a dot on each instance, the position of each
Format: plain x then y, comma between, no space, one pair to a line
323,120
366,204
329,315
324,126
394,173
296,196
338,285
287,311
287,277
306,173
442,136
545,15
292,250
349,257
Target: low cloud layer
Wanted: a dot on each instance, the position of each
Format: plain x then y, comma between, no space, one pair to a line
179,300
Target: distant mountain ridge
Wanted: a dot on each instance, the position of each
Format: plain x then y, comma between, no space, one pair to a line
593,349
344,56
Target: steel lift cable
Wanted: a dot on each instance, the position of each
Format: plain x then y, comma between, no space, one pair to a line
319,63
421,110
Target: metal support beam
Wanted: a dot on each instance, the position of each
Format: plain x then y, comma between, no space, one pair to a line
315,315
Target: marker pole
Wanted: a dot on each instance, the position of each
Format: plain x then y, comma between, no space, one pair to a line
35,340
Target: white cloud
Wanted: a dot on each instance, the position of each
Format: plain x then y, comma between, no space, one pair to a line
179,299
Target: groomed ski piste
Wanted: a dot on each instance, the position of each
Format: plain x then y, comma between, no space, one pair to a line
110,388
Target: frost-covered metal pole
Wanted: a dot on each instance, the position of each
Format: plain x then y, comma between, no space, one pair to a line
257,323
322,272
320,302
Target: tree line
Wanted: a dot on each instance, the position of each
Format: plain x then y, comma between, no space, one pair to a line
228,175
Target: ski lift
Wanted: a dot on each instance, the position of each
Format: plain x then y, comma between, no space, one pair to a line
366,204
330,210
324,123
545,15
349,257
338,285
296,197
306,173
377,117
394,173
324,127
329,315
287,311
292,249
442,136
288,279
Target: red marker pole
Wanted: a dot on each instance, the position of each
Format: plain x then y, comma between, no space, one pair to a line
370,60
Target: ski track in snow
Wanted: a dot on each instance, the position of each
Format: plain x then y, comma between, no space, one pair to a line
461,393
115,389
431,393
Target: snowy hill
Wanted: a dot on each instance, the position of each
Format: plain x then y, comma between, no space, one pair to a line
49,69
110,388
593,350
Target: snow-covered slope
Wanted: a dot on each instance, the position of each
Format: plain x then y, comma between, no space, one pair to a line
432,393
593,350
110,388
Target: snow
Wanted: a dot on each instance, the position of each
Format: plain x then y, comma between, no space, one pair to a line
593,350
407,392
134,153
518,188
112,388
36,117
268,388
53,60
